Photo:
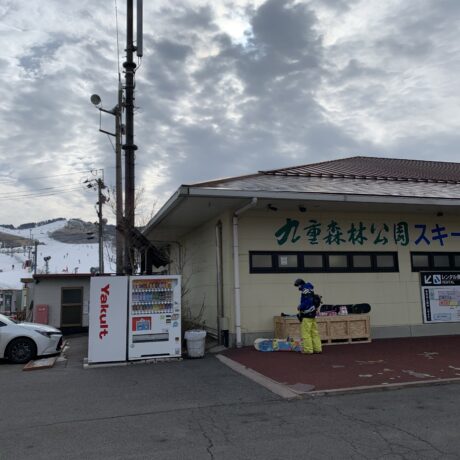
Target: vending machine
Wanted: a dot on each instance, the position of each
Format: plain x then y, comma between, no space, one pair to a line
134,317
154,317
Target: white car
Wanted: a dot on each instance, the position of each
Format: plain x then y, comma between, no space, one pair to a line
21,342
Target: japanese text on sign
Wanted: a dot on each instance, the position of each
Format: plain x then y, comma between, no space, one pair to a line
357,233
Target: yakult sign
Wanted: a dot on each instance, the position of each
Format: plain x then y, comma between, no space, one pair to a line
107,319
104,305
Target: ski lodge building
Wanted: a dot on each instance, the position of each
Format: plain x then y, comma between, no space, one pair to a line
362,230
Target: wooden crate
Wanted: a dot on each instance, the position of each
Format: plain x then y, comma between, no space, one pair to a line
346,329
332,329
286,327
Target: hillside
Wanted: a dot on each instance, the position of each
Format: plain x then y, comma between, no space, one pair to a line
12,241
77,231
65,242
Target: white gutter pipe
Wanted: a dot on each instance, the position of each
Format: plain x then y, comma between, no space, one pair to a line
236,269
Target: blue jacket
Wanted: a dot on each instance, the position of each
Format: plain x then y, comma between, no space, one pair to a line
307,307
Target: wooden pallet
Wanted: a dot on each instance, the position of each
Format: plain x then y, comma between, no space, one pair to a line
43,363
345,341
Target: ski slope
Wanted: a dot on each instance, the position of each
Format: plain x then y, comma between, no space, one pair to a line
65,257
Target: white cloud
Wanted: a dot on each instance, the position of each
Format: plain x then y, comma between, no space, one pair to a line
224,88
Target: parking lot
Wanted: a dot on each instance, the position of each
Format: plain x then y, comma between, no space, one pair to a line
200,408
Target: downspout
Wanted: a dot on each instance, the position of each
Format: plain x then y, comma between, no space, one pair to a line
220,289
236,269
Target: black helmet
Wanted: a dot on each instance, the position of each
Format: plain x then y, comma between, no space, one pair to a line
299,282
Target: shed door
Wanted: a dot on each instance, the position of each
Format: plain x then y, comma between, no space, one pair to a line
71,307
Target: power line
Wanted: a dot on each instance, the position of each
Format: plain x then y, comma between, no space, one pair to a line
6,179
118,44
38,195
39,190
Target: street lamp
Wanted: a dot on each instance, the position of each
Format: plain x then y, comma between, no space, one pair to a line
116,112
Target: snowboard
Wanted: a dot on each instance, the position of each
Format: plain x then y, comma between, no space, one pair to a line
353,309
278,345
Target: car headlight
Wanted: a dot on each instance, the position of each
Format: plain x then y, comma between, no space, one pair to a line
44,333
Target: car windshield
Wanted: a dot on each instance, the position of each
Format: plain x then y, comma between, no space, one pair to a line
6,320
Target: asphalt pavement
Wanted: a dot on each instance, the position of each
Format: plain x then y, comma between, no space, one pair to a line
200,409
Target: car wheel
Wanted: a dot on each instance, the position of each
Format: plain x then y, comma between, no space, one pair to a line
21,350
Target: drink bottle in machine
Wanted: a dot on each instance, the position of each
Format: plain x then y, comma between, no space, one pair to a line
154,317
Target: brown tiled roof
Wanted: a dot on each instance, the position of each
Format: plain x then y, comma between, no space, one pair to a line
376,168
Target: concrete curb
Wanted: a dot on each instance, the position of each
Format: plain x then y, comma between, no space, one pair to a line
382,387
87,365
271,385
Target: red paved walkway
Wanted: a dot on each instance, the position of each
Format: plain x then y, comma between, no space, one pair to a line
381,362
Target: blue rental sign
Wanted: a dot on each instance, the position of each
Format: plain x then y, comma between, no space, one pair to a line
440,296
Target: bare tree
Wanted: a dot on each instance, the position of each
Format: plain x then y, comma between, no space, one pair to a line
144,211
190,319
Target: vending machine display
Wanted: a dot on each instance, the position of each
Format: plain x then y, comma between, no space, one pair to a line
154,317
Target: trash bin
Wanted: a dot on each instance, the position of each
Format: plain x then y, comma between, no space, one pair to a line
196,339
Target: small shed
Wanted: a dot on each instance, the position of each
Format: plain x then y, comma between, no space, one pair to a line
62,300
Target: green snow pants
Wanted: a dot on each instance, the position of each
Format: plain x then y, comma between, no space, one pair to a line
310,337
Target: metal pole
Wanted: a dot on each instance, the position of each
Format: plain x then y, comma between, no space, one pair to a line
118,181
99,214
35,257
129,146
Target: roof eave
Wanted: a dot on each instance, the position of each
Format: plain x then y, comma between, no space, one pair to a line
340,197
173,201
189,191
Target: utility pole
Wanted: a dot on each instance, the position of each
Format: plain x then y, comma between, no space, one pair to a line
29,246
129,147
100,200
118,182
117,113
35,257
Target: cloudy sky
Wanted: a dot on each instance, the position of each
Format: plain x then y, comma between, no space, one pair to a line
225,87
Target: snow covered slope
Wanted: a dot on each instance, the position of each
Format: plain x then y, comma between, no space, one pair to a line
65,258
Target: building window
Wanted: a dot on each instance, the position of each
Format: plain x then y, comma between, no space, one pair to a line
362,261
435,261
287,261
385,260
420,261
319,262
313,261
261,261
337,261
441,261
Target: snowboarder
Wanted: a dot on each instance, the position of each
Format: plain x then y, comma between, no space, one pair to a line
309,302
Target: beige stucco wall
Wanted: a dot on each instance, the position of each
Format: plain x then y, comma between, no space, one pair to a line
197,265
395,297
49,292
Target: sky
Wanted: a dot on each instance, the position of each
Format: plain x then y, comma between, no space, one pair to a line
224,88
